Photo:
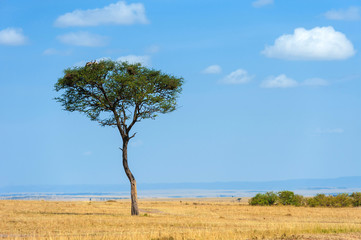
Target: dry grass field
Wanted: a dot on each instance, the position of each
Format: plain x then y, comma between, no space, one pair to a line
174,219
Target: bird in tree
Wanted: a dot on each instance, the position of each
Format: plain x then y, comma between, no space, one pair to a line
119,94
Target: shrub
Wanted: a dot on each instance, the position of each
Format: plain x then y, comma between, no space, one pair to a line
356,199
271,198
341,200
312,202
290,198
286,197
265,199
320,200
299,200
260,199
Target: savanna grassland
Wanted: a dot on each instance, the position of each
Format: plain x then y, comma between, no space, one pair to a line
174,219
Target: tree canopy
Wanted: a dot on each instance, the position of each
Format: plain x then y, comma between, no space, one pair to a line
119,94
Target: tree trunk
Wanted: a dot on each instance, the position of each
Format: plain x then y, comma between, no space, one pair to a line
133,183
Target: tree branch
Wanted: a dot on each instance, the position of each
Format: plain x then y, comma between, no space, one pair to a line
124,119
132,136
105,96
106,123
135,118
119,124
90,94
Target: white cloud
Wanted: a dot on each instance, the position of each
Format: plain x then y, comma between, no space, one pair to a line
261,3
281,81
314,82
12,37
239,76
116,14
83,39
144,60
350,14
213,69
319,43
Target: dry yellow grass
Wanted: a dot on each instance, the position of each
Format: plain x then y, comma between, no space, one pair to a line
176,219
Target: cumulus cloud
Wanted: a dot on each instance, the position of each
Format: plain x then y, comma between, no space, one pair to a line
213,69
261,3
144,60
12,37
281,81
84,39
319,43
350,14
239,76
114,14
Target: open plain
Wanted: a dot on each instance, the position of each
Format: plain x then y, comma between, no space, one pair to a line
165,219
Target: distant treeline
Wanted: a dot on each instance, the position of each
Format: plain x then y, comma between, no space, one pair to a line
320,200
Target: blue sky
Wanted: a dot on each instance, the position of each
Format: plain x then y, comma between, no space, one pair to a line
271,90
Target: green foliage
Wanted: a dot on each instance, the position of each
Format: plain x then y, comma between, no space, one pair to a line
320,200
117,93
340,200
286,197
272,198
289,198
299,200
265,199
283,198
356,199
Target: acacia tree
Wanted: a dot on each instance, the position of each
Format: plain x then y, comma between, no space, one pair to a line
119,94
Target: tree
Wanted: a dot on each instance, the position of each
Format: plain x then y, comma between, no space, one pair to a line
119,94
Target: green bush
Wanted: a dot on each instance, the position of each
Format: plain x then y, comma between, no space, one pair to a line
286,197
299,200
320,200
266,199
341,200
259,199
356,199
271,198
312,202
289,198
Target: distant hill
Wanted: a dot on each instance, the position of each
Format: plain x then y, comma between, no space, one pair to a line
296,184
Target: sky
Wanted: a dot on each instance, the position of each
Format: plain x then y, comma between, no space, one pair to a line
271,91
